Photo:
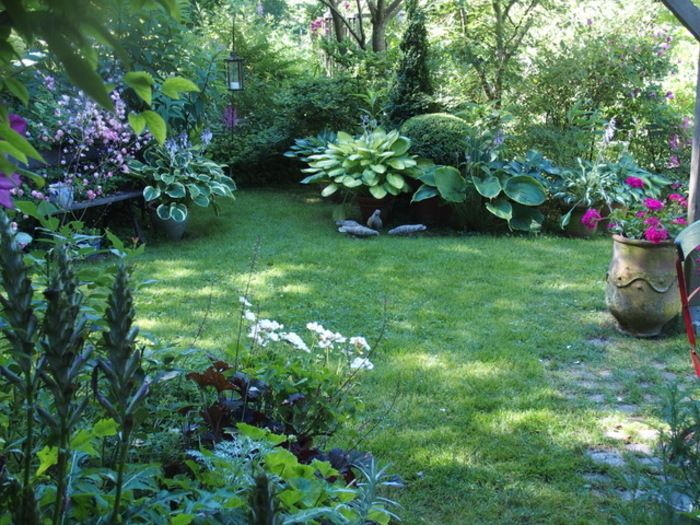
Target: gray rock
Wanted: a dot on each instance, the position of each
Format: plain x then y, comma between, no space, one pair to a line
344,224
408,229
358,231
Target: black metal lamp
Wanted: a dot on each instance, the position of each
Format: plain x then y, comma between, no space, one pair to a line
234,65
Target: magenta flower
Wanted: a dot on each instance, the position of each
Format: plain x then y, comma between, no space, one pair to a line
634,182
680,220
653,204
652,221
18,124
640,214
591,218
670,95
8,186
656,234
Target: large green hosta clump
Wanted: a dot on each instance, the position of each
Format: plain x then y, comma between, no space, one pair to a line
377,162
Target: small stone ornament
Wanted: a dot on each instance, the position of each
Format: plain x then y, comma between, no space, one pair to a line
358,231
344,224
408,229
375,220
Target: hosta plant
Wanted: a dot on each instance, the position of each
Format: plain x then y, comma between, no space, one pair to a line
376,162
179,175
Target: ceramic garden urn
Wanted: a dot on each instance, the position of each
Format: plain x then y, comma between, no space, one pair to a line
642,288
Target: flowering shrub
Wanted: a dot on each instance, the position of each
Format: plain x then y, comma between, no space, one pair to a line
93,146
654,220
311,376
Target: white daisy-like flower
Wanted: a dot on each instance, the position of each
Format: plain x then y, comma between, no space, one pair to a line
360,343
315,327
361,363
244,302
296,341
250,316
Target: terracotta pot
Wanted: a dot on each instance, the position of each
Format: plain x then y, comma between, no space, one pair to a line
642,288
576,228
368,204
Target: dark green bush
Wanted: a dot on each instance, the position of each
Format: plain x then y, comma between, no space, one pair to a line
303,108
439,137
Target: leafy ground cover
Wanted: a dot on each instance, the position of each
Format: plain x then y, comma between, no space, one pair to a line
501,391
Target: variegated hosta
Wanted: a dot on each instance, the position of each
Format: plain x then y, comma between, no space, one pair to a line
378,162
179,175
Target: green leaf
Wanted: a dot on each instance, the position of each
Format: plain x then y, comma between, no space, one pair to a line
378,168
450,184
201,200
163,212
501,208
401,146
176,190
178,212
182,519
105,427
19,142
173,86
489,187
156,125
260,434
48,457
526,218
525,190
142,83
329,190
82,442
151,193
137,122
396,181
378,192
18,89
423,193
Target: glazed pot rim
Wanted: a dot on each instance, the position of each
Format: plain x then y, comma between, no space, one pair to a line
641,242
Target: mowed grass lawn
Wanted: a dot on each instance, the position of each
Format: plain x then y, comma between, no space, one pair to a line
499,368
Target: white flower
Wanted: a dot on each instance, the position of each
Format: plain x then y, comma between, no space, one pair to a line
295,341
249,316
244,302
315,327
361,363
265,330
269,325
360,343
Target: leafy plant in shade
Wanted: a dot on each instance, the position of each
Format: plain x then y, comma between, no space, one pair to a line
445,182
64,354
512,196
305,147
20,328
412,91
377,162
179,175
126,383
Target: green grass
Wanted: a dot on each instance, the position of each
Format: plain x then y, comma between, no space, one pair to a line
481,398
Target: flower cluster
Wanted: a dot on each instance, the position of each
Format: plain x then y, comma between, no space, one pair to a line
353,351
10,184
93,145
654,220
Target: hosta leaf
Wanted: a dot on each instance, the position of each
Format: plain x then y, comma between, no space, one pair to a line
425,192
176,190
401,146
201,200
450,184
151,193
397,164
525,190
370,178
489,186
329,190
378,168
178,212
163,212
526,218
378,192
501,208
397,181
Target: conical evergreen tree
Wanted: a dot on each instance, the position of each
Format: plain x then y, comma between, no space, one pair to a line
412,91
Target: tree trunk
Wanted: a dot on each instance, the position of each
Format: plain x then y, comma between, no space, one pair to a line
693,202
378,36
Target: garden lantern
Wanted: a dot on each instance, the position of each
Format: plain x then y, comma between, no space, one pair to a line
234,72
234,64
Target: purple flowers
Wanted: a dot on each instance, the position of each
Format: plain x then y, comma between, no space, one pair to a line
591,218
10,183
634,182
230,117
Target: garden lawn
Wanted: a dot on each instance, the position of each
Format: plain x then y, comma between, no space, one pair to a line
499,371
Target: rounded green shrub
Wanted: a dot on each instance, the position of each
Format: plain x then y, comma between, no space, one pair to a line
439,137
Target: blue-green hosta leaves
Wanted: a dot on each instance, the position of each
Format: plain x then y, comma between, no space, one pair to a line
450,183
151,193
489,186
525,190
175,211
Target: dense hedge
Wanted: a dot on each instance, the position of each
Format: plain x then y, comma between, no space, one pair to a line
438,136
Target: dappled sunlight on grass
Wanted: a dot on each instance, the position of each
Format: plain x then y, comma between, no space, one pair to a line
477,393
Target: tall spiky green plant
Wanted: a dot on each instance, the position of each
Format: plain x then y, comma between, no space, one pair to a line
20,329
126,383
64,354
